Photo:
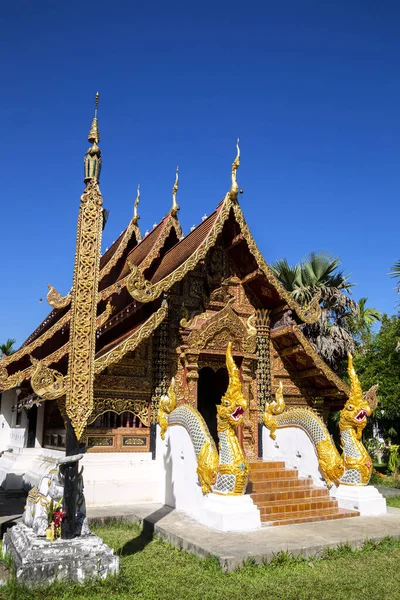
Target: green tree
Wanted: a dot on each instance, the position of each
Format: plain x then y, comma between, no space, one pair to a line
381,364
395,272
361,323
319,272
7,348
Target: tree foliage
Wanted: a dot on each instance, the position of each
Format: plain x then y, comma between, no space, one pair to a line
319,271
380,363
8,348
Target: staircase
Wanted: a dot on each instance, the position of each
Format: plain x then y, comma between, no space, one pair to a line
284,498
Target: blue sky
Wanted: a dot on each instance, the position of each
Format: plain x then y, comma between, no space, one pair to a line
311,88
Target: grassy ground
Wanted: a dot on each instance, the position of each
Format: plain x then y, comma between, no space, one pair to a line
152,569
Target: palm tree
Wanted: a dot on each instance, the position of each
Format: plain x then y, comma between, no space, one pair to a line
361,324
395,272
318,272
7,348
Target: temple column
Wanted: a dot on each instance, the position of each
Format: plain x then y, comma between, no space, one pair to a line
263,368
160,354
250,425
192,376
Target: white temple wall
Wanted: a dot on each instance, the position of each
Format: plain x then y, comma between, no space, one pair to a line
182,488
294,447
8,399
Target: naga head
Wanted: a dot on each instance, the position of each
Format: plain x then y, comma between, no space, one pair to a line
233,404
356,410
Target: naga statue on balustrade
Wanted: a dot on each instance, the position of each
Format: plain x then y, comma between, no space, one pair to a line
225,471
355,466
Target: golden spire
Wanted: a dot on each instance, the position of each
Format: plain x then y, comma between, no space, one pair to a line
175,206
94,135
135,206
233,192
92,160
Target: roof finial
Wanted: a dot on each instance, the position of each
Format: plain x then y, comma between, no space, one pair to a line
175,206
135,206
233,192
92,158
94,135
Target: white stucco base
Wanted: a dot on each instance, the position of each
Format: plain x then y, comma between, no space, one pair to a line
183,491
364,498
293,446
229,513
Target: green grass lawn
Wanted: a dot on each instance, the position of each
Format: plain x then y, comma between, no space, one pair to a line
152,569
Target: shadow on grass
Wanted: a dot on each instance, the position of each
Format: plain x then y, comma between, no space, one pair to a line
138,543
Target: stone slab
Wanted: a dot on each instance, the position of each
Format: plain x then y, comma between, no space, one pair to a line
38,561
233,548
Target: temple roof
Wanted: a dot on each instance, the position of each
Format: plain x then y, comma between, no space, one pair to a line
165,257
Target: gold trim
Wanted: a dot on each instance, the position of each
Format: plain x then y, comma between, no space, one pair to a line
139,408
55,299
132,228
171,223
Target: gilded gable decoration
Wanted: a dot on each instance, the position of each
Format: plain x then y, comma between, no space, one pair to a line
137,285
47,383
222,328
55,299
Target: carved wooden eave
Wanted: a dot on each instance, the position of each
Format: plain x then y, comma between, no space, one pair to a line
106,357
299,354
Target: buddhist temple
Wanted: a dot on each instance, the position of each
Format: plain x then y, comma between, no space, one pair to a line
169,303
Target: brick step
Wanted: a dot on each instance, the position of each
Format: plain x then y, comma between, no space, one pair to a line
289,494
297,508
276,485
315,512
266,464
341,513
273,474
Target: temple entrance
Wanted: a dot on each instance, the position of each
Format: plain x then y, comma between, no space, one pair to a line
212,385
32,420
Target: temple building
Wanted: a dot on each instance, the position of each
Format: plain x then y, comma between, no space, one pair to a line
168,304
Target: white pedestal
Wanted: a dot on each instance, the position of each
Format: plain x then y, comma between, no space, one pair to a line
229,513
364,498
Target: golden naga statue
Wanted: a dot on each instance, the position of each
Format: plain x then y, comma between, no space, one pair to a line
355,467
226,472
